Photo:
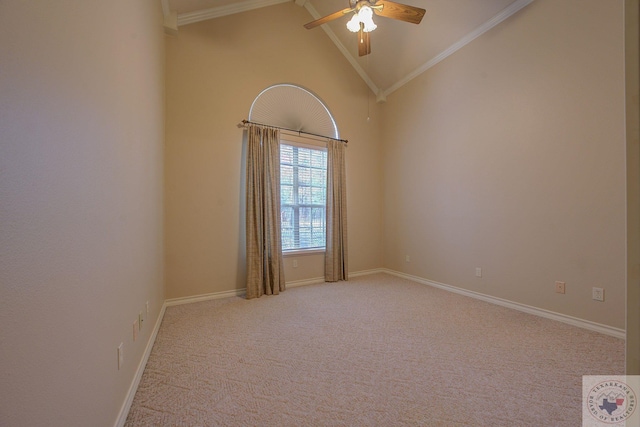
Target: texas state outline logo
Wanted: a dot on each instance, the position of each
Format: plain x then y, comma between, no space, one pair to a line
610,400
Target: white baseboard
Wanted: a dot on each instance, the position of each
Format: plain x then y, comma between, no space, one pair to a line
367,272
205,297
581,323
124,411
316,280
243,291
126,406
235,292
305,282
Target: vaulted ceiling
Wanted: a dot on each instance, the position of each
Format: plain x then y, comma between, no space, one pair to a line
400,50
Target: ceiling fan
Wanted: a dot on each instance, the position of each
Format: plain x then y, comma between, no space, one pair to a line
362,23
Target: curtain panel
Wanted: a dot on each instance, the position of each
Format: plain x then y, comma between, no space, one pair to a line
265,270
335,261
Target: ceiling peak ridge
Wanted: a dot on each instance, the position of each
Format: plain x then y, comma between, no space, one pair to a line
352,60
174,20
504,14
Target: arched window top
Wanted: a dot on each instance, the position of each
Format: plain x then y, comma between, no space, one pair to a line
293,107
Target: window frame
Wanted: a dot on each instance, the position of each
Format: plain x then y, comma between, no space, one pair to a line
313,144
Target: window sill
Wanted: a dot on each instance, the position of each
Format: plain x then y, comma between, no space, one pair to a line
298,252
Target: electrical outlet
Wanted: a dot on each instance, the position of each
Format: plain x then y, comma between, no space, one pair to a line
597,294
120,356
136,328
478,272
407,258
560,287
295,263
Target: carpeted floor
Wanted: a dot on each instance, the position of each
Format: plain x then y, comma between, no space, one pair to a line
375,351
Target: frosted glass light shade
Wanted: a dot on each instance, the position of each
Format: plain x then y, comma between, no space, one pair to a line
364,16
354,24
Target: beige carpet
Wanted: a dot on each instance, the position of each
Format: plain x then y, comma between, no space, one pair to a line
375,351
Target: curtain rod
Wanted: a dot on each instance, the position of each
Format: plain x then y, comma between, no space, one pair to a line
244,123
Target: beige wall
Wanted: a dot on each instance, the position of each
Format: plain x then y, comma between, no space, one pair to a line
632,65
510,156
514,146
81,131
215,69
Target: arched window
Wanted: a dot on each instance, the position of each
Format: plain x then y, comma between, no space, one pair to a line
303,161
293,107
312,186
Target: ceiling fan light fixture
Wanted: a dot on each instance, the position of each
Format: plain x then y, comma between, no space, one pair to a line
365,17
361,21
354,24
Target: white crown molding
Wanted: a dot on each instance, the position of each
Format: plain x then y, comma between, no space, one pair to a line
171,24
165,7
216,12
381,95
170,19
504,14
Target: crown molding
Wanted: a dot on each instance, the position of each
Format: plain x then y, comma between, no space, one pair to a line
165,7
170,19
381,95
507,12
171,24
217,12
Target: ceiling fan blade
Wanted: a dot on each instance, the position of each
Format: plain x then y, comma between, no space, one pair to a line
364,43
399,11
325,19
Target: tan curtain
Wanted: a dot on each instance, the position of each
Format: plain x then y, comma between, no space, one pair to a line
265,271
335,260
